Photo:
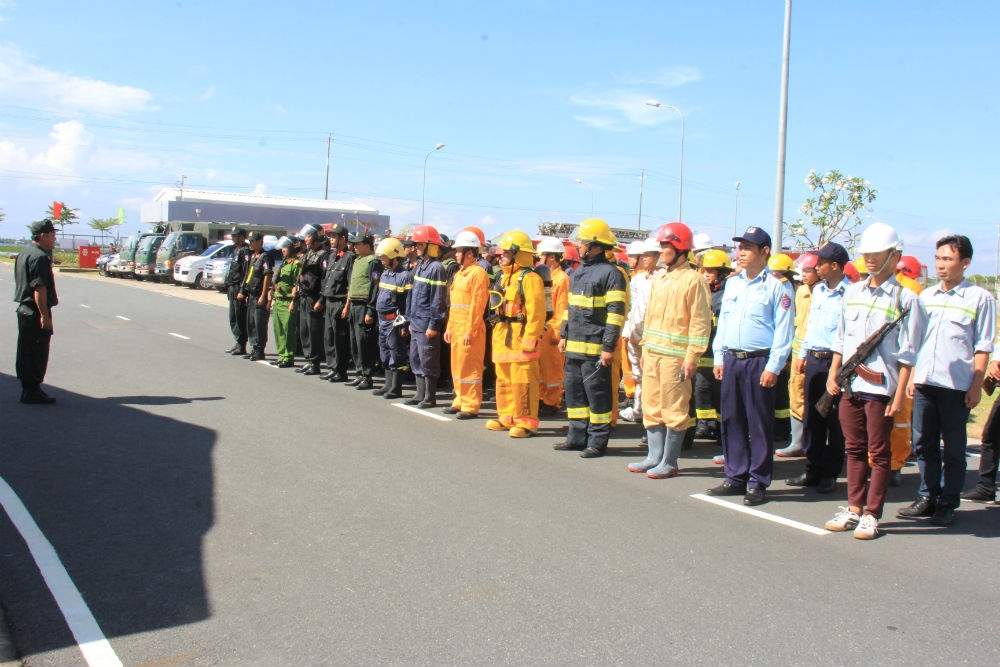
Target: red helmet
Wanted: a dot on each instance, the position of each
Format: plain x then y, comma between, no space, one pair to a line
909,266
676,234
479,234
426,234
806,261
851,272
572,252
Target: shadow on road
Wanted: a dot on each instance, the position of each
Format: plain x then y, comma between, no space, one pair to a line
124,496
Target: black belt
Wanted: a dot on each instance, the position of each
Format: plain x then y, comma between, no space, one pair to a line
820,354
748,354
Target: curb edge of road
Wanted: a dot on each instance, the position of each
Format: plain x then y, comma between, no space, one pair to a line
8,653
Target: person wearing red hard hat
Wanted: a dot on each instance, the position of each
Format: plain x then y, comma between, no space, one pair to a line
427,312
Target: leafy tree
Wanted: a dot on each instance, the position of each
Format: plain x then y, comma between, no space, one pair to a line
103,224
833,212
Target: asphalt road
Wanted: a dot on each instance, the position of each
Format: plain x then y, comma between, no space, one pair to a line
211,510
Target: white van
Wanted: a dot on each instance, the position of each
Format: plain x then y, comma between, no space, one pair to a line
190,270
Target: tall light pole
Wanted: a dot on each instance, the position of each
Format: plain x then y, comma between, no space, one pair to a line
779,188
642,178
588,185
680,194
424,190
736,211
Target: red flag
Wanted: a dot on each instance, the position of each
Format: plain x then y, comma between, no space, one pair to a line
57,210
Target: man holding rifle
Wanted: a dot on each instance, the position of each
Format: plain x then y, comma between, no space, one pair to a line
874,313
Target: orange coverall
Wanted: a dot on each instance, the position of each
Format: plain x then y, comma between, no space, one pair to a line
470,291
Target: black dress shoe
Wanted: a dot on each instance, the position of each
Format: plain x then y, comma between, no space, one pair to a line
37,397
805,479
327,375
466,415
355,382
303,369
338,377
364,385
312,370
234,349
285,364
921,507
247,355
754,496
568,447
826,485
727,488
450,410
591,453
256,355
943,515
979,496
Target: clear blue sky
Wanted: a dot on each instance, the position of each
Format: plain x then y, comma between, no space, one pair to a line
102,104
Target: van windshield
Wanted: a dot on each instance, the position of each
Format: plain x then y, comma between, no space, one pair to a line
210,250
147,243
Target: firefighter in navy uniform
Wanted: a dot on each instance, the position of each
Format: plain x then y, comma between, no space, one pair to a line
394,287
234,281
588,337
255,292
310,303
361,294
333,294
428,314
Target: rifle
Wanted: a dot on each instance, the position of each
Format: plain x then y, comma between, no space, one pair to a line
827,403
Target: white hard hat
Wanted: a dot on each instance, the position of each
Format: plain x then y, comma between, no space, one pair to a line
878,237
551,244
651,245
466,239
634,248
702,241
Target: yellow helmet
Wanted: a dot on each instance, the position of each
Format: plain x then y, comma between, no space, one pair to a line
716,259
859,264
594,230
781,263
516,241
390,247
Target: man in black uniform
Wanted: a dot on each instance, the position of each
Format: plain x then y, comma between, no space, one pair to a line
333,293
234,282
362,293
35,294
310,303
255,289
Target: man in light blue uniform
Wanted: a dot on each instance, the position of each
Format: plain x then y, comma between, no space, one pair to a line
754,339
822,438
954,325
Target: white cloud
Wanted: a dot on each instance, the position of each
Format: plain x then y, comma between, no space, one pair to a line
630,105
71,142
260,189
27,84
668,78
208,94
12,156
210,175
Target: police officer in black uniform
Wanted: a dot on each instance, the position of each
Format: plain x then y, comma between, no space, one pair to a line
35,294
255,289
310,304
362,294
234,282
333,293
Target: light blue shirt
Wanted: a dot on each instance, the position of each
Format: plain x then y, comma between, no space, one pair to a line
756,314
950,327
824,316
866,309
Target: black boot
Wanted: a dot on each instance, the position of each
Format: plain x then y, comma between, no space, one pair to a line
385,385
418,397
312,370
395,390
430,397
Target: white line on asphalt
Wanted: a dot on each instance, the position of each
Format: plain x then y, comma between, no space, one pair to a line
182,337
266,363
422,412
762,515
92,642
122,317
83,305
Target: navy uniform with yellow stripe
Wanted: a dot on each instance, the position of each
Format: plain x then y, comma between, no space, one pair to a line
591,326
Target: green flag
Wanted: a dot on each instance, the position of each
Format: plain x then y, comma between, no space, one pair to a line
121,215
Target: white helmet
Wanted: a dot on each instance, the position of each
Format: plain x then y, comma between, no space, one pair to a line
651,245
701,241
466,239
878,237
550,244
634,248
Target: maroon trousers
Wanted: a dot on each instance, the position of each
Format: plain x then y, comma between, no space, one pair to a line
866,433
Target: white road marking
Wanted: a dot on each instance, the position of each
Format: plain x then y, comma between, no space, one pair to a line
422,412
266,363
181,336
89,637
762,515
122,317
83,305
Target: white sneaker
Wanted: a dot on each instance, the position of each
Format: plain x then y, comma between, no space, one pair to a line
719,459
843,520
630,414
867,529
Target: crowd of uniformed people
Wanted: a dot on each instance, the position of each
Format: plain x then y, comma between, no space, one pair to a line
701,348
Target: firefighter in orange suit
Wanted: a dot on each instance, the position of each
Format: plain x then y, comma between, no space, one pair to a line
675,333
550,385
466,332
517,337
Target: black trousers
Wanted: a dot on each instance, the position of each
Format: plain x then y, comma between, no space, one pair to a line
364,339
258,318
237,316
989,453
337,336
311,330
822,439
588,402
32,351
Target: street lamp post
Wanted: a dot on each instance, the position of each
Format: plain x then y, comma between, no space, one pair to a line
736,210
591,187
424,190
680,194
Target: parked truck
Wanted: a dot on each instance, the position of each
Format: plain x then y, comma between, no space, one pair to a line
192,238
126,258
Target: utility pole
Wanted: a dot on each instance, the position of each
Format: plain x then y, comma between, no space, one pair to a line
779,189
642,177
326,190
183,178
